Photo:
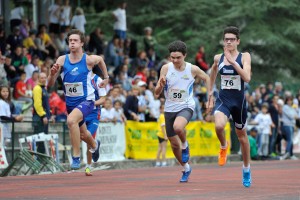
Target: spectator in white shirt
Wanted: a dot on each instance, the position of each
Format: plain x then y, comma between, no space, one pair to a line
120,25
107,112
78,20
16,16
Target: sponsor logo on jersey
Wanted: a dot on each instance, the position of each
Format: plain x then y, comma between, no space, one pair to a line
228,71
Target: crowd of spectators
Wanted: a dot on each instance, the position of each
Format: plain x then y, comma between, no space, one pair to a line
27,51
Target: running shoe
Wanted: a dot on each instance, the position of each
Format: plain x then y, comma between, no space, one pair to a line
247,178
185,176
75,163
223,155
96,154
185,154
88,171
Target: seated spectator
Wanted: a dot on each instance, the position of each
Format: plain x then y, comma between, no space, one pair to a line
24,28
131,106
31,82
14,39
6,113
19,61
58,107
20,90
33,66
107,112
61,43
143,73
29,42
96,42
115,94
119,114
3,74
12,75
114,53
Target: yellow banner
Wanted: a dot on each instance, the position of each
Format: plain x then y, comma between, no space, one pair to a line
142,142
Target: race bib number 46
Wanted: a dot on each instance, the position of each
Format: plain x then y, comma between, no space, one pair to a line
230,82
74,89
177,95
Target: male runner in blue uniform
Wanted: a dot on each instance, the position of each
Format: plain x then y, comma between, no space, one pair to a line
75,69
92,120
235,69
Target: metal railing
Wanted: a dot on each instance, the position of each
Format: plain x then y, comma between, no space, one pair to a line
26,128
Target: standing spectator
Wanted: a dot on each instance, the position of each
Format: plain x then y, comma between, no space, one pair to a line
253,144
162,140
264,122
143,102
274,112
41,109
289,116
65,16
54,16
6,112
120,26
200,60
16,15
78,20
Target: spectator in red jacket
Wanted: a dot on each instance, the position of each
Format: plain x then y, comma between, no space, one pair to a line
200,59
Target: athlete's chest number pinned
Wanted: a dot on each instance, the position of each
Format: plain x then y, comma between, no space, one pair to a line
74,89
177,95
231,82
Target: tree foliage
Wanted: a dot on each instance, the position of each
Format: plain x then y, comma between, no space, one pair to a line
270,29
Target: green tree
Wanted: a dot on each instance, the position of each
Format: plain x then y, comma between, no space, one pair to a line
270,29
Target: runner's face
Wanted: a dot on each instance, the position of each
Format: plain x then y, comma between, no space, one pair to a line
75,42
177,58
230,41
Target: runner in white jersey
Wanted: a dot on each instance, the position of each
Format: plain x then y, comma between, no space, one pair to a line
235,69
177,79
75,69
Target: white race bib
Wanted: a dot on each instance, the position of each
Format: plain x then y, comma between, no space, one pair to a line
74,89
177,95
231,82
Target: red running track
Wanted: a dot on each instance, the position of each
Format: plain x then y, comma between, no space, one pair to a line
271,180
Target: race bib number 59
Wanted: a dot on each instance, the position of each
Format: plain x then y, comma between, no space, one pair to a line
177,95
74,89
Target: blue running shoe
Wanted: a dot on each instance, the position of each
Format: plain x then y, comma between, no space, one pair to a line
75,163
185,176
185,155
247,178
96,154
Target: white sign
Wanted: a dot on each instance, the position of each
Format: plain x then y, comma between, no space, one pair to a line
113,144
3,161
